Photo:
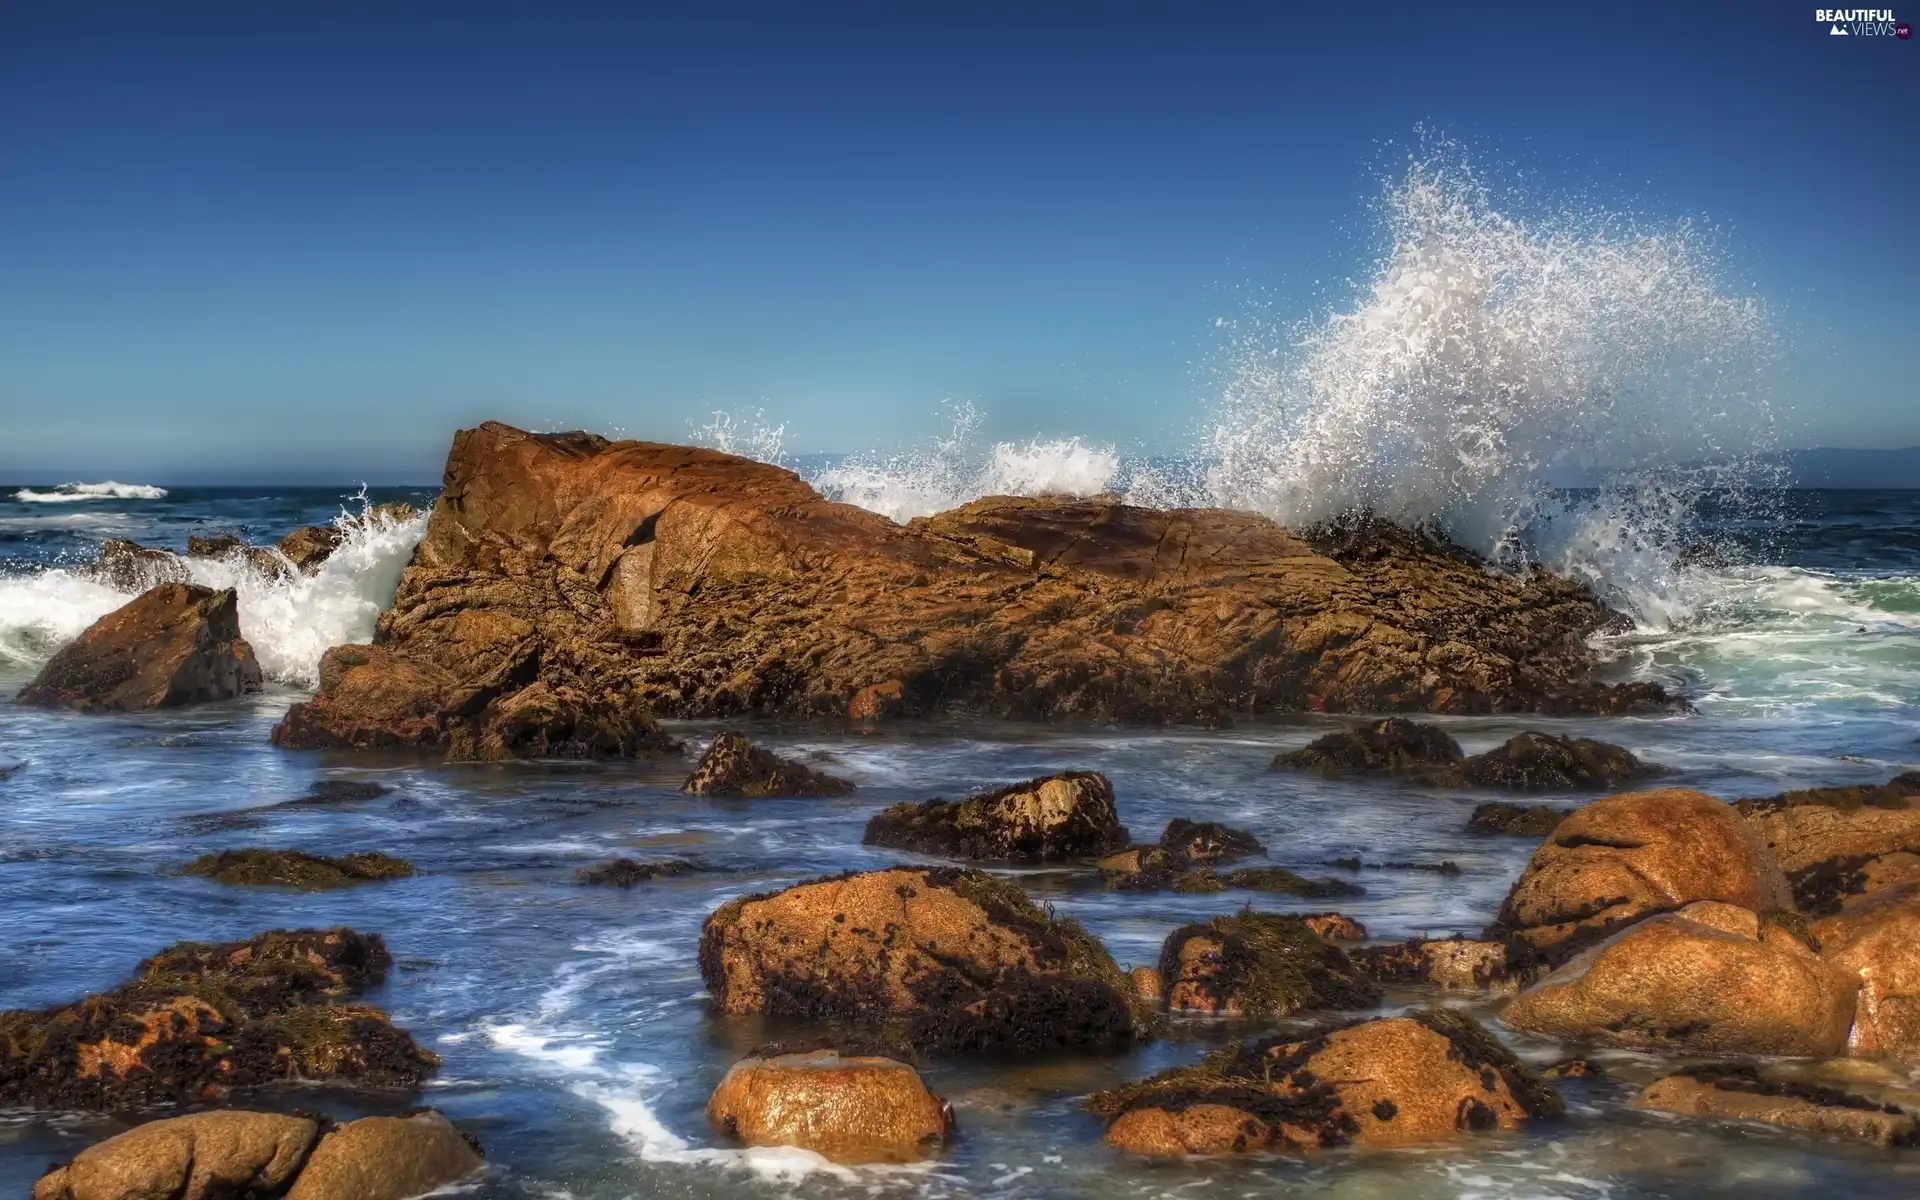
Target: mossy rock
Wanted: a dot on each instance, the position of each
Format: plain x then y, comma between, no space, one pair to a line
1545,762
257,867
1394,746
1258,965
1899,793
734,766
626,873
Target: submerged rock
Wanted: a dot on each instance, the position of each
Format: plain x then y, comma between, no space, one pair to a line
734,766
1835,843
387,1158
291,868
684,582
1516,820
1426,1077
1709,979
199,1020
202,1156
1741,1093
1057,816
626,873
1258,965
1395,745
1628,856
850,1109
177,644
1543,762
1202,880
958,962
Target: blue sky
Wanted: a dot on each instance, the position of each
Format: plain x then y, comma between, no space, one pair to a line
308,240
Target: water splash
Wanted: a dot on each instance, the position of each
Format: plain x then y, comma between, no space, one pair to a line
749,436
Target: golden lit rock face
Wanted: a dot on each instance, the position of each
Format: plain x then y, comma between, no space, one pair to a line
1625,857
1720,985
1875,943
174,645
386,1158
848,1109
1744,1096
204,1156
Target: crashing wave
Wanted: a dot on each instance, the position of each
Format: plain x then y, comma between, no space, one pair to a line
75,493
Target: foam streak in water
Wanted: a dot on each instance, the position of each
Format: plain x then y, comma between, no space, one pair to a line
74,493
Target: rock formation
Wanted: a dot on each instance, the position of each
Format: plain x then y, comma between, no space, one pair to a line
1396,746
1842,841
734,766
850,1109
291,868
177,644
1544,762
1068,815
1741,1093
1258,965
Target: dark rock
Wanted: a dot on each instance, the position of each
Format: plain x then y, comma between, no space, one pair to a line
199,1020
1497,817
734,766
1258,965
1543,762
1056,816
625,873
291,868
175,645
1194,843
1445,866
1395,745
218,546
1264,879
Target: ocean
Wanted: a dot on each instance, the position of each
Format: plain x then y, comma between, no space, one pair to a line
571,1019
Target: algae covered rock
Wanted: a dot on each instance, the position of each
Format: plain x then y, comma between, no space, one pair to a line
953,961
1516,820
734,766
1395,746
174,645
1426,1077
1277,880
201,1019
1450,964
1185,847
1207,842
387,1158
1545,762
1739,1092
1258,965
848,1108
626,873
1056,816
202,1156
291,868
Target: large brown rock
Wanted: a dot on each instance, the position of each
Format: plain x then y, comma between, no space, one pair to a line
1627,856
1253,964
698,584
1058,816
204,1156
387,1158
851,1109
174,645
1875,943
199,1020
1427,1077
1742,1094
1709,979
1842,841
962,961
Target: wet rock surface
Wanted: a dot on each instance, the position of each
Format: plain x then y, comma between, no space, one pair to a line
1394,746
1544,762
1450,964
174,645
387,1158
199,1020
654,579
1497,817
203,1156
1740,1092
291,868
1069,815
1259,965
734,766
849,1108
626,873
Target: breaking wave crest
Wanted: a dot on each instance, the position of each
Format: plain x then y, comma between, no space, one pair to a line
74,493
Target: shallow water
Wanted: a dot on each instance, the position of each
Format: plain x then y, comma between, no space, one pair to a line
571,1019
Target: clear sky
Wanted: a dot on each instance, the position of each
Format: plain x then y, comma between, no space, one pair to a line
278,240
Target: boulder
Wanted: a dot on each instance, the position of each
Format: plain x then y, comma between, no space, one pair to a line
1544,762
1450,964
1206,842
130,567
1844,841
1425,1077
1874,943
1740,1093
198,1020
1058,816
690,583
1258,965
734,766
625,873
310,545
1628,856
851,1109
1516,820
1395,745
1148,987
961,961
203,1156
291,868
1709,979
387,1158
177,644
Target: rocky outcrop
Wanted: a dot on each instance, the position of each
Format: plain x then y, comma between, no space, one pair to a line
734,766
1395,746
310,545
954,961
1839,842
177,644
1258,965
1874,943
1741,1093
626,873
1499,818
1427,1077
690,583
1183,849
130,567
1450,964
203,1156
291,868
850,1109
1068,815
1544,762
199,1020
1628,856
1709,979
387,1158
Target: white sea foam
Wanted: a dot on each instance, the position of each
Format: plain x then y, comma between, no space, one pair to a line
43,612
74,493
